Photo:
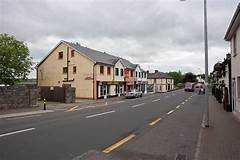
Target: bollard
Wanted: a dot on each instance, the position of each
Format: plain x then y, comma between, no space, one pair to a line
44,104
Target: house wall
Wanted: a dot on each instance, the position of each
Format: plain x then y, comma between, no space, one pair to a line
235,60
103,77
50,72
120,66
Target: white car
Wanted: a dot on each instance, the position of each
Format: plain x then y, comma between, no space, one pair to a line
134,94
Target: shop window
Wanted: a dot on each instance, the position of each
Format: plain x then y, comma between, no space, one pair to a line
109,70
74,70
101,69
60,55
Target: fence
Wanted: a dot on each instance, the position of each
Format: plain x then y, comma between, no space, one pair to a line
65,94
18,96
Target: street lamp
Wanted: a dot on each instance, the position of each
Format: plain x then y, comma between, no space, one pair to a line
206,61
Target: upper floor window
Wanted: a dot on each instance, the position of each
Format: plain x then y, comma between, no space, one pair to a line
136,74
139,74
65,70
60,55
108,70
74,69
131,73
238,86
116,71
72,53
234,46
101,69
121,72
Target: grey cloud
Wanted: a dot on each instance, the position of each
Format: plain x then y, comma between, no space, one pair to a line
150,32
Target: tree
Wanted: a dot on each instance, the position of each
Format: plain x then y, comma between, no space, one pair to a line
190,77
15,62
177,76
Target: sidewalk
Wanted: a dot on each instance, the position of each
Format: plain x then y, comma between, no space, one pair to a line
222,140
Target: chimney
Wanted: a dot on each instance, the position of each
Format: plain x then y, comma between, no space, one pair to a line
156,71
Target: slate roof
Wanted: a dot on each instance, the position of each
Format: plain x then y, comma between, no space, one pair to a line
158,75
97,56
128,64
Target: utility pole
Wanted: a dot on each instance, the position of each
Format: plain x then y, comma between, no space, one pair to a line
206,64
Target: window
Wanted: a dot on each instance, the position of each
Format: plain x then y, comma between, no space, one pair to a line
121,72
108,70
72,53
139,74
60,55
74,69
136,73
65,70
234,46
101,69
131,73
238,86
116,71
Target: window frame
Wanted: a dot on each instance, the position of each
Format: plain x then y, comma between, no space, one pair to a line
60,55
116,71
121,72
108,70
234,45
74,69
72,53
65,70
101,70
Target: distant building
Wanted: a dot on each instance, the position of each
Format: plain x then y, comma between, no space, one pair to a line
233,36
159,82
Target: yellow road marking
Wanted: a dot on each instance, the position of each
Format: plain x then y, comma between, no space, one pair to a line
119,143
72,109
155,121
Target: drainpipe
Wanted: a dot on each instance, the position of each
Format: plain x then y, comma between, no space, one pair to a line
67,63
94,82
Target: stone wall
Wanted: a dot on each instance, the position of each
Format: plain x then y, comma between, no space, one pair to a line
64,94
18,96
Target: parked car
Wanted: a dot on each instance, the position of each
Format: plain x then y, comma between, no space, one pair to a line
134,94
189,87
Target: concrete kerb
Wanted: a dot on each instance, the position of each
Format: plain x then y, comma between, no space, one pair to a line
11,115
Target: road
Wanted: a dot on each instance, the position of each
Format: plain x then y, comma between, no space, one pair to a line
64,135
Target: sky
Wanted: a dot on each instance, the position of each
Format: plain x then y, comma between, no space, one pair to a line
164,35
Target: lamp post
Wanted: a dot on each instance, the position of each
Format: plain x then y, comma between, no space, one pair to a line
206,62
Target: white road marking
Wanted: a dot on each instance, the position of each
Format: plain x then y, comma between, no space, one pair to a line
100,114
120,101
170,112
85,108
37,115
156,100
15,132
178,106
137,105
183,102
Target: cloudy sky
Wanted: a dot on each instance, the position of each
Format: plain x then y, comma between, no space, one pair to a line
158,34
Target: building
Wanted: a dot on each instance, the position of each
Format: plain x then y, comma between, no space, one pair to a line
233,36
159,82
94,74
129,76
140,82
